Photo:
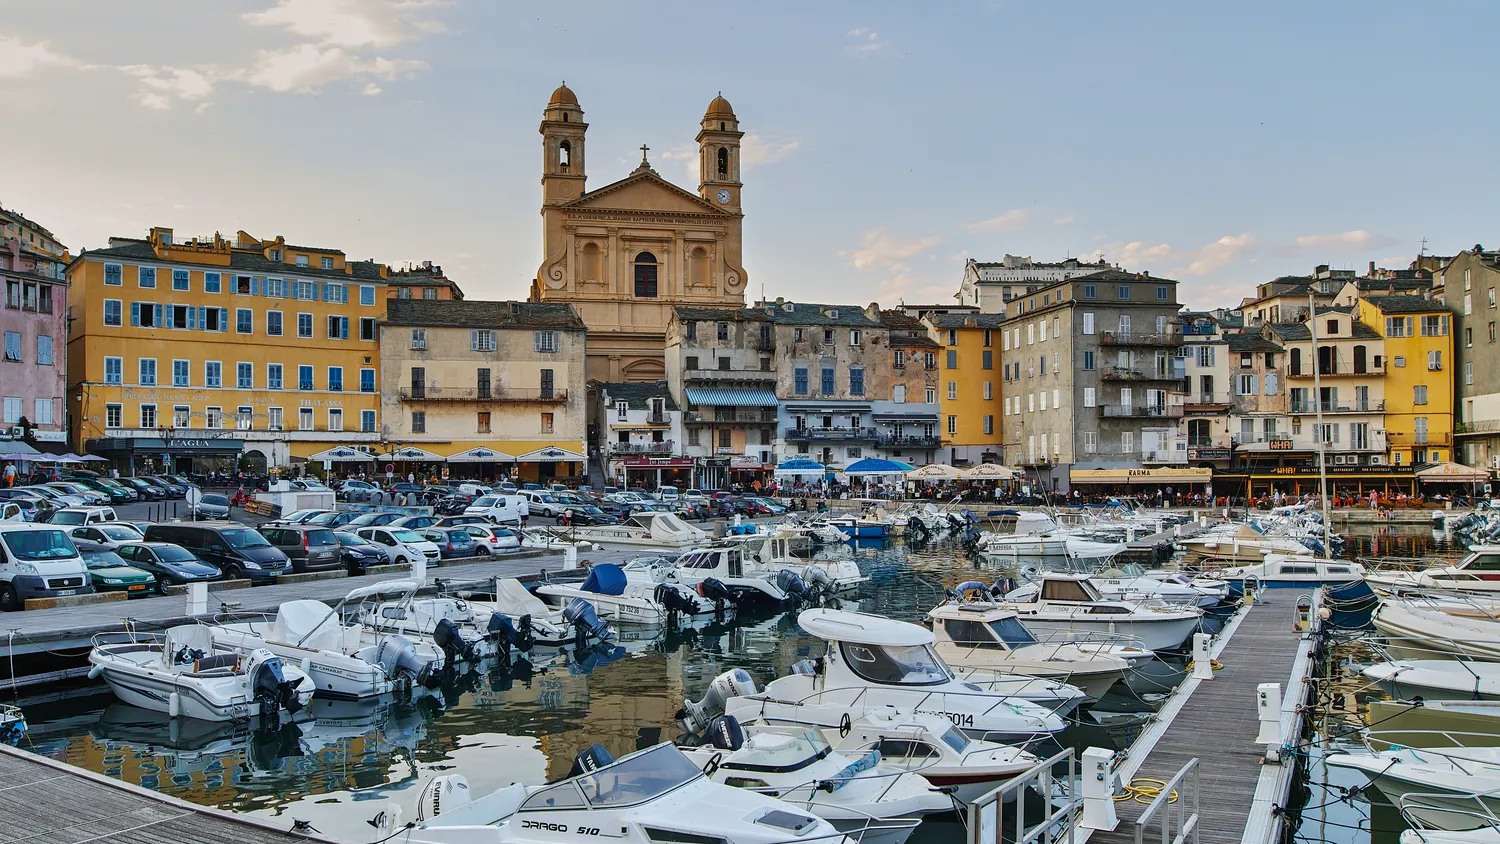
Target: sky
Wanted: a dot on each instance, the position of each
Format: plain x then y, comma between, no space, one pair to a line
1218,144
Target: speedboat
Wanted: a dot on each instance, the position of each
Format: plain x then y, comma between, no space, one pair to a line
723,565
183,673
1241,545
769,554
1069,602
868,799
614,598
1479,572
1451,777
1433,723
930,745
1132,583
1437,679
534,622
873,663
655,529
12,723
464,635
344,661
1415,632
1291,571
989,636
652,795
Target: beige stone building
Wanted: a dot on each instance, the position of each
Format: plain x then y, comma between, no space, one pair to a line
486,389
625,254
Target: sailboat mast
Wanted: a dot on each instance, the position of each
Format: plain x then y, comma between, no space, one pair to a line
1312,323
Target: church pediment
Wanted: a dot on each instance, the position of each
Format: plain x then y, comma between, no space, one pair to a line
644,192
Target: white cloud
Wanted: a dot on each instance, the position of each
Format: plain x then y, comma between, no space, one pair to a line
306,67
1062,221
17,59
351,23
881,250
1013,219
370,89
864,40
1349,241
757,150
1205,260
1219,254
1132,254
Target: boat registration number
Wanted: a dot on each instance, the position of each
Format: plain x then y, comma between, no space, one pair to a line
959,719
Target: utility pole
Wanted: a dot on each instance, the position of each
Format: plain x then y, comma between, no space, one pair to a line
1312,324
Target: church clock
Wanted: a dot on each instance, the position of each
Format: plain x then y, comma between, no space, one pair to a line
723,196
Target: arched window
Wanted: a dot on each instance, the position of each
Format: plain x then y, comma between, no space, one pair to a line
721,125
564,155
723,161
645,276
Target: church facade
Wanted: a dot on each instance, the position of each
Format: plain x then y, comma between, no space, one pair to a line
624,255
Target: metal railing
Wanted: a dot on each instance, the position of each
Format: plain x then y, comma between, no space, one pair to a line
1115,373
1134,338
1335,407
498,394
743,416
1177,824
663,447
910,440
1141,410
1059,819
1169,455
1343,371
1428,438
809,434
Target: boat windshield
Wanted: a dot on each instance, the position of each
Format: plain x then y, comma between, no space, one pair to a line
956,739
636,779
892,665
244,538
780,750
1012,632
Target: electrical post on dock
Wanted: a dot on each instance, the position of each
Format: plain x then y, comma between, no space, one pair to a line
1318,435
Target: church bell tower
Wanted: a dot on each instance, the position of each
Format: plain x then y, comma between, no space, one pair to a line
562,148
719,156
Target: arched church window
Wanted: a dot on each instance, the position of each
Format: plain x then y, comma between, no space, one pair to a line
565,117
591,262
564,155
721,125
645,276
723,161
698,267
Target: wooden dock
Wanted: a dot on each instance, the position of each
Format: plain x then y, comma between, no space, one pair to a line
44,801
1216,722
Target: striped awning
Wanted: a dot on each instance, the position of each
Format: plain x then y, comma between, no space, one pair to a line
730,397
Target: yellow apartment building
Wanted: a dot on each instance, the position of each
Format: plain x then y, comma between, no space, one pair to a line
1418,376
484,389
190,355
969,386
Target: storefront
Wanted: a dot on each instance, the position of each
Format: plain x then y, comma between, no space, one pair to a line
655,472
1343,481
1142,482
206,451
549,464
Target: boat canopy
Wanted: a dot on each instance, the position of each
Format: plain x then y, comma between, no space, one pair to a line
605,579
384,587
307,623
844,626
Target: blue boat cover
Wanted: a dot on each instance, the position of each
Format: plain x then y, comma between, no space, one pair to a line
605,579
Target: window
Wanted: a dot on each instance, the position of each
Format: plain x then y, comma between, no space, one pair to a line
1492,332
305,290
180,376
856,381
367,328
482,424
336,379
244,321
952,424
898,394
547,423
1042,402
482,340
799,380
929,360
1163,292
987,359
827,381
898,358
546,341
952,391
338,327
326,263
930,395
304,325
244,285
1398,326
690,362
147,372
429,293
1056,399
112,312
213,374
367,380
145,314
828,336
1124,293
723,364
44,349
112,277
1244,385
305,419
114,415
1088,360
244,375
211,283
212,319
244,418
1088,323
13,410
148,416
301,260
1468,337
1468,373
273,418
418,422
987,338
273,323
1090,291
179,279
989,390
989,424
335,419
366,294
854,337
213,417
305,377
1088,396
367,421
952,360
114,369
547,382
645,276
1435,360
1127,442
1398,361
145,277
1437,325
273,376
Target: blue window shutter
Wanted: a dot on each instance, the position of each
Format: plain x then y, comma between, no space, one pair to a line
135,313
192,318
203,317
255,285
158,311
343,328
223,319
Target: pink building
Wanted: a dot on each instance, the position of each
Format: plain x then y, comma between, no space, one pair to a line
33,322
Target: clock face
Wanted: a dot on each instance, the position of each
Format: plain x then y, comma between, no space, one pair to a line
723,197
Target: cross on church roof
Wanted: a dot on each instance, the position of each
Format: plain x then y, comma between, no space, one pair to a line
643,153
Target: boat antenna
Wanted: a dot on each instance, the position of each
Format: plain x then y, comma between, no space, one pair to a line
1312,325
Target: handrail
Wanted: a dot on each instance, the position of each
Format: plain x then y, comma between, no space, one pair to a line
986,814
1185,827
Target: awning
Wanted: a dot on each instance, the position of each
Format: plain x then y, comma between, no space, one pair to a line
934,472
990,472
731,397
342,453
1141,476
17,450
412,454
1452,473
551,454
480,454
915,416
877,466
801,468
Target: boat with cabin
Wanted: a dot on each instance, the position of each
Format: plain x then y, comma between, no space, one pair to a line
1057,602
652,529
1479,572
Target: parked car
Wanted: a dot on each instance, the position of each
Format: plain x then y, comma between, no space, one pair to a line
117,493
297,517
310,548
668,494
462,521
450,542
211,506
357,553
104,537
353,490
38,561
239,551
173,487
91,497
82,515
404,488
373,520
172,564
539,503
109,572
401,546
492,539
149,490
503,509
56,498
694,496
415,522
29,509
332,519
588,514
473,489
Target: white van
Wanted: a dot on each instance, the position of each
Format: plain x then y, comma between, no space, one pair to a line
475,490
75,516
38,561
500,509
668,495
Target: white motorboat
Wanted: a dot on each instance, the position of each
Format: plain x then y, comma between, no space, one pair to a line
1412,631
873,663
1479,572
616,599
1241,545
1479,824
533,622
1132,583
463,635
1069,602
988,636
768,554
862,796
1449,777
1290,571
1437,679
12,723
654,529
344,661
182,673
652,795
724,565
929,745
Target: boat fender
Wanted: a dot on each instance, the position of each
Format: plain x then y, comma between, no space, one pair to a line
866,762
95,671
442,794
174,705
306,665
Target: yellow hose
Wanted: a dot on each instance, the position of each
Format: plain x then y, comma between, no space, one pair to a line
1143,790
1213,663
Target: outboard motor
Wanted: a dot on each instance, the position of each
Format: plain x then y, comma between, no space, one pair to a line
591,759
503,634
724,733
270,687
1002,587
819,584
673,601
446,636
695,716
586,622
917,530
713,589
442,794
398,657
792,584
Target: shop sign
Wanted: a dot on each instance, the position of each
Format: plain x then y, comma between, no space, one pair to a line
745,462
1208,454
1279,445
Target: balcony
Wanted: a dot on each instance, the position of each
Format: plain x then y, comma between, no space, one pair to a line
795,435
1132,338
1282,442
1341,370
716,375
1482,426
1306,407
1164,455
727,416
1114,373
1139,411
1199,330
1403,438
653,448
909,441
476,394
1033,460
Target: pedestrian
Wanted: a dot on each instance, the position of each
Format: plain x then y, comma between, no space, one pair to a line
411,477
10,475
